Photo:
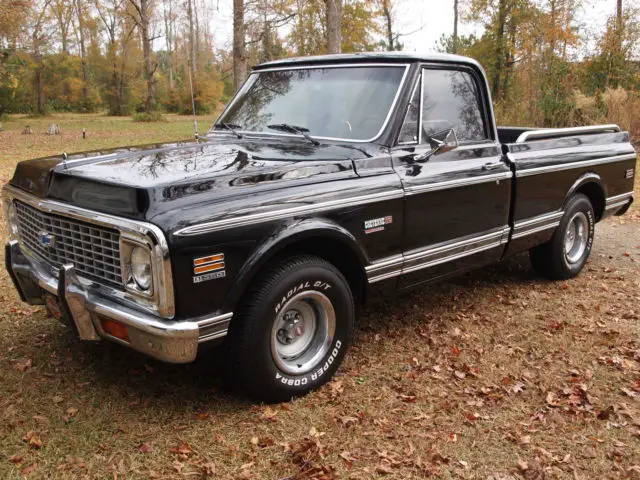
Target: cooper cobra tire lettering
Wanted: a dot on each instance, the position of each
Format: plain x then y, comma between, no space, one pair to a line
286,380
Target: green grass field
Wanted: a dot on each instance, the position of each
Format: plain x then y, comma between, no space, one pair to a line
497,374
102,132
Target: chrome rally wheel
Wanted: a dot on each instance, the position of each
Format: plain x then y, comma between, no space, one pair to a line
303,332
576,237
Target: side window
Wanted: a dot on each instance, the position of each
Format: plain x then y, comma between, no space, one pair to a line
409,131
450,100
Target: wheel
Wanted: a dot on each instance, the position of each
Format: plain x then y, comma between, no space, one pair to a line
565,254
292,329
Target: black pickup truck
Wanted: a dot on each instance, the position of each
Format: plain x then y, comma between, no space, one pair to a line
325,181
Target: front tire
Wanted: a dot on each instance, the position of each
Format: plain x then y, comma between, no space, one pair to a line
292,330
565,255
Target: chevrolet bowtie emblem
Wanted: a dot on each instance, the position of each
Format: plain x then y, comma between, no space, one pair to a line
46,239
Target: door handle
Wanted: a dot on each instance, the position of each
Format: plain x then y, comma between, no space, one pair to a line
492,166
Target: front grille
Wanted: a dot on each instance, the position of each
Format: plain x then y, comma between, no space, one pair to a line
93,250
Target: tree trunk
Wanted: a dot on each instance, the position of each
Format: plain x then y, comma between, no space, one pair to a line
192,39
500,48
386,10
334,25
144,24
239,47
83,54
455,26
168,30
37,78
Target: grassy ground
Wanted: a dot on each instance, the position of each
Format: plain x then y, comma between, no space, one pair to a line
496,375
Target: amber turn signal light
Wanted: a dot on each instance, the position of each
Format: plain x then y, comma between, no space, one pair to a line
115,329
210,259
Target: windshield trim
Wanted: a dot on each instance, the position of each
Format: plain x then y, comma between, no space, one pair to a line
254,75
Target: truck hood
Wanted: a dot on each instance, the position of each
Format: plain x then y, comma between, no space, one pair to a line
140,182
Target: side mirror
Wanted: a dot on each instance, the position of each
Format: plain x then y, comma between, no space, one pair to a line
440,142
443,141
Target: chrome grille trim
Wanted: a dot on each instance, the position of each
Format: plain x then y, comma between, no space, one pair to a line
162,301
93,250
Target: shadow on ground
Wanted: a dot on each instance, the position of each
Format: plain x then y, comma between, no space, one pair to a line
127,373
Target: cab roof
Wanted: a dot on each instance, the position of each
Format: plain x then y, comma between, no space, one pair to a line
369,57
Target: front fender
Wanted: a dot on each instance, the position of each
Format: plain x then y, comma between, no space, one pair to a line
287,235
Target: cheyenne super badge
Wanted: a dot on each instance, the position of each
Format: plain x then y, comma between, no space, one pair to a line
208,268
377,224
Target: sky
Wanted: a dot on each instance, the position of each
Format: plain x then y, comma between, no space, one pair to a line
424,21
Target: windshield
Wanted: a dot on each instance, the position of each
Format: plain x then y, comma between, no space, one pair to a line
349,103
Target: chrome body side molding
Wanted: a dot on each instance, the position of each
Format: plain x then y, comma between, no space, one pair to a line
214,327
251,219
457,183
572,165
618,201
432,255
536,224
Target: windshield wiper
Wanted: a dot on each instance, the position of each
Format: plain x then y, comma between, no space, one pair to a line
229,126
285,127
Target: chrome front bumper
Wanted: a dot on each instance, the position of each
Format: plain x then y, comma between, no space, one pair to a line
167,340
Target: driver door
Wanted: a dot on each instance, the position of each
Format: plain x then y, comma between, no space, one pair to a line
457,200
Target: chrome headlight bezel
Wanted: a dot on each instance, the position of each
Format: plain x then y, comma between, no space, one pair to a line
127,246
11,219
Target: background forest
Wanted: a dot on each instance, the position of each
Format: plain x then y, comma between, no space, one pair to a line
137,56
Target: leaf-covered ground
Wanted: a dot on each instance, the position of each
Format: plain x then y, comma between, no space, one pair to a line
497,374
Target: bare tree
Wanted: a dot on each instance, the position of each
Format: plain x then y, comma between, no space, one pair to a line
169,35
386,11
334,25
80,33
64,14
239,45
455,26
38,39
144,10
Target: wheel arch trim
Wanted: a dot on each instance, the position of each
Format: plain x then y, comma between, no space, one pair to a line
590,178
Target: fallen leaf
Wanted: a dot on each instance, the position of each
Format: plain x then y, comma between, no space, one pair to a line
16,458
522,465
57,399
524,440
145,448
23,365
348,457
202,416
31,468
71,411
32,439
208,469
269,414
384,469
183,449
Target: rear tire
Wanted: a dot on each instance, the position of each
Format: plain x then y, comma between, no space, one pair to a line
565,255
292,330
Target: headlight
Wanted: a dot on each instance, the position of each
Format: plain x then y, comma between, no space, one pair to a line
141,267
12,220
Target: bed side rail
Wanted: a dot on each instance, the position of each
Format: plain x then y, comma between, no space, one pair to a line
546,133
